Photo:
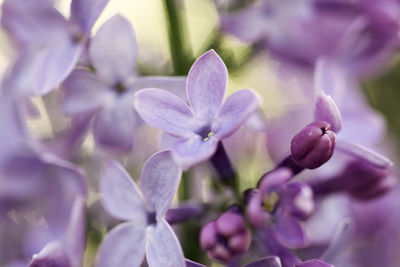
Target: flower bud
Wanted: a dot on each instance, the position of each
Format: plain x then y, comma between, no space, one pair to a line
226,237
314,145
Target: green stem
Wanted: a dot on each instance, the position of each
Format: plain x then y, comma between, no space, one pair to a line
179,52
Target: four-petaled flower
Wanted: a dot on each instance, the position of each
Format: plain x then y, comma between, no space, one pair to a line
209,118
146,231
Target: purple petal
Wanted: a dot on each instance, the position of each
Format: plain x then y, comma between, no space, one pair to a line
191,151
83,91
326,110
206,85
190,263
163,248
289,232
184,212
270,261
236,109
33,22
363,153
166,112
115,124
174,85
120,195
85,13
314,263
124,246
329,79
52,254
160,180
114,61
40,70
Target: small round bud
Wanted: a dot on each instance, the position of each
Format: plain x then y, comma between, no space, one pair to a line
226,237
314,145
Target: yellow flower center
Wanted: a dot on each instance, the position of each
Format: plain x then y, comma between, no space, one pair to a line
270,201
208,136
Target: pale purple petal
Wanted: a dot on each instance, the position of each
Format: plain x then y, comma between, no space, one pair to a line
124,246
114,126
83,91
166,112
85,13
206,85
314,263
174,85
160,180
270,261
114,61
163,248
326,110
32,22
120,195
289,232
53,254
234,112
363,153
39,70
329,79
191,151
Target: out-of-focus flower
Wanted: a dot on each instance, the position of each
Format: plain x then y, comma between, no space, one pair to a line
209,118
359,35
314,263
270,261
109,91
226,237
36,184
49,46
146,231
280,206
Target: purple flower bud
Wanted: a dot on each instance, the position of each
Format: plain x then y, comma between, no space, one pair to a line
226,237
314,145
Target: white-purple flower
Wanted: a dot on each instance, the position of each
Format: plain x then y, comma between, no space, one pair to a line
49,45
209,118
108,92
146,230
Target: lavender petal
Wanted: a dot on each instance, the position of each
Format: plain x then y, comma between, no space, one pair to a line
289,232
270,261
191,151
85,13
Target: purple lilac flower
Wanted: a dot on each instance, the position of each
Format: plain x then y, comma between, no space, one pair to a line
360,36
108,92
35,181
146,231
226,237
280,206
209,118
49,45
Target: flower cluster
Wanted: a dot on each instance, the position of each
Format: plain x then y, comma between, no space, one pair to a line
104,162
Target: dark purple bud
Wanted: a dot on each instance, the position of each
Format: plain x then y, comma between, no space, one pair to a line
226,237
184,212
314,263
314,145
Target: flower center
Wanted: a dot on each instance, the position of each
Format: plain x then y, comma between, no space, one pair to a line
119,88
208,136
151,218
270,201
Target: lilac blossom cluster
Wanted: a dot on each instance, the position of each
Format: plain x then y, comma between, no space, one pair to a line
329,198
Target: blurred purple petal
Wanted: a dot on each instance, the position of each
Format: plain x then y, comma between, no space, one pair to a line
115,124
165,111
160,180
174,85
124,246
114,61
85,13
206,85
52,254
83,91
236,109
163,248
33,22
270,261
120,195
184,212
314,263
289,232
189,152
364,153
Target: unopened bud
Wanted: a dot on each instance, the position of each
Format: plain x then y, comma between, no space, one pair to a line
314,145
